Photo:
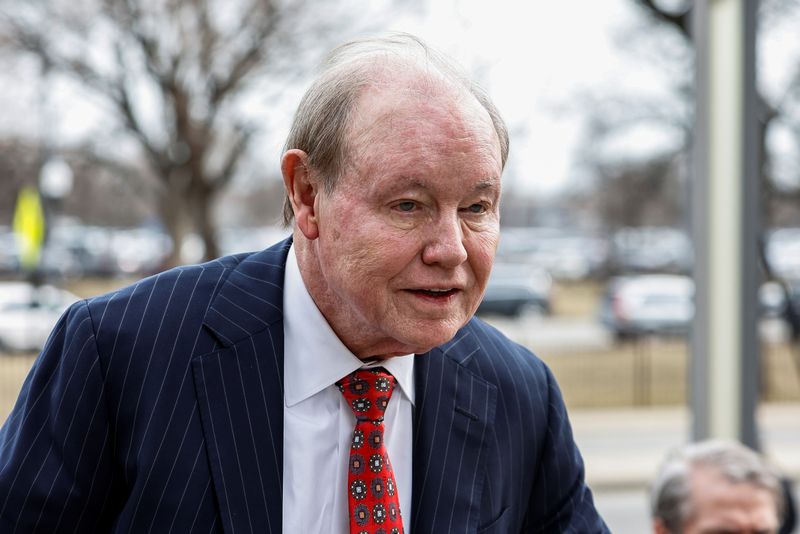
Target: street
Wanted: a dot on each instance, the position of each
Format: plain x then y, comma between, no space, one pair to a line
624,511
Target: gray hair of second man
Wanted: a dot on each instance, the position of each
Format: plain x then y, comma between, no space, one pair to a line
670,492
320,124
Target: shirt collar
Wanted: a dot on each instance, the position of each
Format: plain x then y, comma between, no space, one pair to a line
314,357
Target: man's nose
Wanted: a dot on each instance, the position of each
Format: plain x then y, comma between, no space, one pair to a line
445,243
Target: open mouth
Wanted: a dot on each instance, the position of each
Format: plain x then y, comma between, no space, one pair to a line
435,293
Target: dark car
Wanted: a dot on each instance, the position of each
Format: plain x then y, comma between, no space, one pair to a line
790,310
516,289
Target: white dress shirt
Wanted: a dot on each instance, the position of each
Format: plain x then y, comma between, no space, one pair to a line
318,423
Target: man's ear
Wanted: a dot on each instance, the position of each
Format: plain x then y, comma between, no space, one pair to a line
302,191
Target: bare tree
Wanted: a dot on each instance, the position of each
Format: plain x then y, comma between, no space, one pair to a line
178,76
773,111
97,188
663,37
18,161
641,193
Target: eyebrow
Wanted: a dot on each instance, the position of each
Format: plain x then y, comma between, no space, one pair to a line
486,184
414,182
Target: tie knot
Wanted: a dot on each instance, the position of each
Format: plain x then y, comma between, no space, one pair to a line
368,391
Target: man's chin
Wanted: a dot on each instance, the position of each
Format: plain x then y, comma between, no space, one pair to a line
426,337
401,336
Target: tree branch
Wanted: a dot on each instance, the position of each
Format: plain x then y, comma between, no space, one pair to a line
249,58
224,175
681,21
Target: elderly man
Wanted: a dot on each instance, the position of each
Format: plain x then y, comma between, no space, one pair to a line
335,382
716,486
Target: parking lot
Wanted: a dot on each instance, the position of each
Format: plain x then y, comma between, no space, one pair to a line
593,369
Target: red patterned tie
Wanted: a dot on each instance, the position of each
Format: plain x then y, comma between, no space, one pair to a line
372,491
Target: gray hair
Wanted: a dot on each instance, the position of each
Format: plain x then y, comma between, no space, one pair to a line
320,124
670,491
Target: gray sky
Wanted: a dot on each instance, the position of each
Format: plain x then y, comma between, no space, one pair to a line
533,57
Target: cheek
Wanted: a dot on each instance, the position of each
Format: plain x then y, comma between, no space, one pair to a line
481,253
388,258
365,260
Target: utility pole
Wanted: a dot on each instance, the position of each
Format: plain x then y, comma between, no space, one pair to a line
725,346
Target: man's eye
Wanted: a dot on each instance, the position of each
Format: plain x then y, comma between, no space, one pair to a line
406,206
476,208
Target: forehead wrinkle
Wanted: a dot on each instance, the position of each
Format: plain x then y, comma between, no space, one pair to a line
434,130
429,148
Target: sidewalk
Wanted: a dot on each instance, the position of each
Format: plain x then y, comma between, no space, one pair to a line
622,448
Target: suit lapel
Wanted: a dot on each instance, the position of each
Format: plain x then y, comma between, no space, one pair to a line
240,394
454,408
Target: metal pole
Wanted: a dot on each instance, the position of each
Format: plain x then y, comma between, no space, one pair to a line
751,230
724,340
698,361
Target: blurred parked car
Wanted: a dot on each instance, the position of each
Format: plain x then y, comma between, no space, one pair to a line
648,304
565,255
772,300
663,304
782,252
28,314
9,251
139,250
516,289
233,240
781,300
792,313
651,249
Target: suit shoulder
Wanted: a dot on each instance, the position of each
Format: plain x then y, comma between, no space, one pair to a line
496,354
164,303
202,277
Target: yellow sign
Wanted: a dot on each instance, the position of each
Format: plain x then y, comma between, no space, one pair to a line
29,225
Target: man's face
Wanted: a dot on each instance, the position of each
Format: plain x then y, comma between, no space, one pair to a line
407,238
722,507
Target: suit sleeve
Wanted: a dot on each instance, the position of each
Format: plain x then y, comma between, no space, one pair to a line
560,482
55,447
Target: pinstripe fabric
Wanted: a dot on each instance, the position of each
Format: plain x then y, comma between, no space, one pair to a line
159,408
493,448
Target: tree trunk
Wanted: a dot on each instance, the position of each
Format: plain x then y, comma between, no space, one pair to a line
173,209
186,208
202,202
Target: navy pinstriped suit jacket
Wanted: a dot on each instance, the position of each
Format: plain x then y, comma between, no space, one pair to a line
159,408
